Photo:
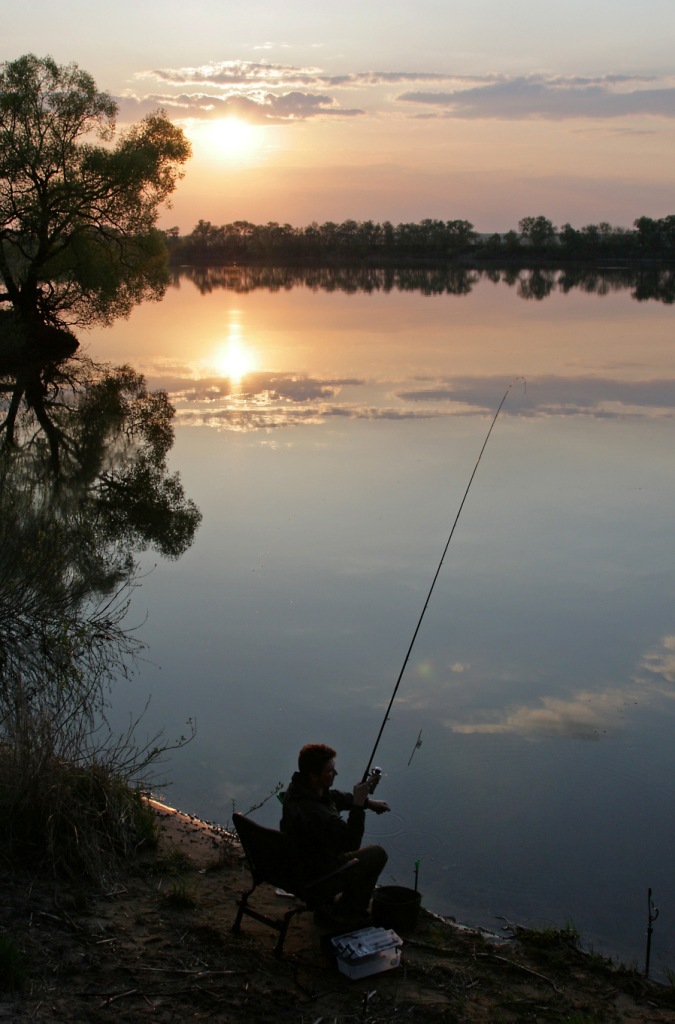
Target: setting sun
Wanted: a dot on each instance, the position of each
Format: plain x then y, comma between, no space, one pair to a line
232,138
234,359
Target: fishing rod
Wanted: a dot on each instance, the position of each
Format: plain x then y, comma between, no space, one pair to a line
377,772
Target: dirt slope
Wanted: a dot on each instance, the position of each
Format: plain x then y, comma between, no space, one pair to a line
158,947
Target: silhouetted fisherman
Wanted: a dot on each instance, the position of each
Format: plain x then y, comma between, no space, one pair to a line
324,840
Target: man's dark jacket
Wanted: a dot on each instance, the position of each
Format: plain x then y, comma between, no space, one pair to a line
314,824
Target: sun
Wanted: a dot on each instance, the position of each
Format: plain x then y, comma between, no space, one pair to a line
232,138
234,360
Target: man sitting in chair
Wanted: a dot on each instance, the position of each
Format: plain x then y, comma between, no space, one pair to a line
323,839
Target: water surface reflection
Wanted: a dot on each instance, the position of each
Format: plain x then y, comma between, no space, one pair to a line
656,283
84,488
542,681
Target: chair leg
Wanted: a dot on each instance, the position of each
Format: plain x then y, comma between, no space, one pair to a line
280,926
279,948
243,908
283,927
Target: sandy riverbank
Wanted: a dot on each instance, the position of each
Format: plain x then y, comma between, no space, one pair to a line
157,946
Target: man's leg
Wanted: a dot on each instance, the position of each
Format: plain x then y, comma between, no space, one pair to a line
362,878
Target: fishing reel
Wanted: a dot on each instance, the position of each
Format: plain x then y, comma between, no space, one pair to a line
374,776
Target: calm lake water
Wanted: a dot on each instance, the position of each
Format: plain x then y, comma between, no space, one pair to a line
328,436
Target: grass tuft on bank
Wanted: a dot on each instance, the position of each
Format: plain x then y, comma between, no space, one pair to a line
75,820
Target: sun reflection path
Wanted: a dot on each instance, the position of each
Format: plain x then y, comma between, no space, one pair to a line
234,359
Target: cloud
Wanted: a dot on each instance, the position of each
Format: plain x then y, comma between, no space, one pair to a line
264,92
269,45
661,661
244,420
263,400
604,398
586,716
552,98
276,399
272,92
267,387
270,414
231,73
257,108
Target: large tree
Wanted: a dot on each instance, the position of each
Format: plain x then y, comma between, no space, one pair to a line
78,205
539,230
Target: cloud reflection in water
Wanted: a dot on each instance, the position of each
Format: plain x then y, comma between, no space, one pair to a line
586,715
263,401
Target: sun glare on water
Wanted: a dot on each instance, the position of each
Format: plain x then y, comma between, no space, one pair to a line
234,360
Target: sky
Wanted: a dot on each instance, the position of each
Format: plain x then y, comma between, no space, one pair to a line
303,110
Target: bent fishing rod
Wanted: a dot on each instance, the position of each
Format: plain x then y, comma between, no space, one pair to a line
376,771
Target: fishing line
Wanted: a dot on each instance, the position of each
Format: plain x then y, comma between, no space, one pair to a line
433,582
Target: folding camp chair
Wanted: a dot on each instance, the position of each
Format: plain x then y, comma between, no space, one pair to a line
271,860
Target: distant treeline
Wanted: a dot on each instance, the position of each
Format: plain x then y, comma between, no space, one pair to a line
537,240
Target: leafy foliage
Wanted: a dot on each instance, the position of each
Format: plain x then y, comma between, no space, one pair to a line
411,244
77,209
346,241
84,482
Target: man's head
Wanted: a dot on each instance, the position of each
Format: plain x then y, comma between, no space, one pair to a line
316,764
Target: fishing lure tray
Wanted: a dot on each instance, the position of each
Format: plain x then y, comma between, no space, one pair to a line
367,951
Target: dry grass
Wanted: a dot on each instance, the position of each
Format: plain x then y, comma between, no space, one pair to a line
73,819
70,790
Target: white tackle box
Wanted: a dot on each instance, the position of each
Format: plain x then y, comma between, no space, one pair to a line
367,951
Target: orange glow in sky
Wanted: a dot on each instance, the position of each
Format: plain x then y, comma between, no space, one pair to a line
303,112
229,139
